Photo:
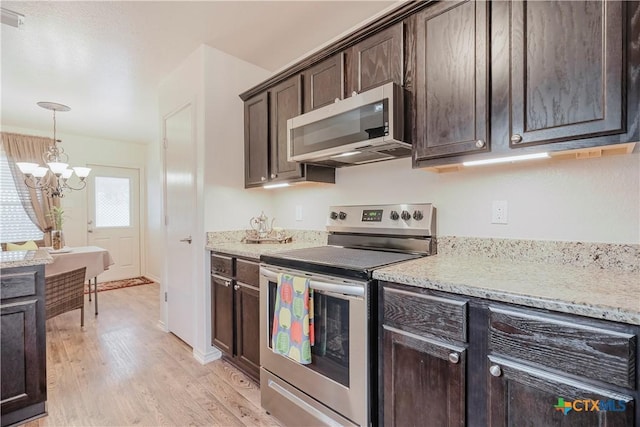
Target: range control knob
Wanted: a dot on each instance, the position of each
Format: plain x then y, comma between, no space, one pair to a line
405,215
333,215
342,215
394,215
417,215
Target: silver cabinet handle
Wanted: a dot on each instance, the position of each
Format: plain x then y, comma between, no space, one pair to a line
236,287
480,143
495,370
262,178
186,239
336,100
515,138
273,175
454,358
354,93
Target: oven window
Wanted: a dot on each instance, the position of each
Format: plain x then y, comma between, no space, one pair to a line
330,353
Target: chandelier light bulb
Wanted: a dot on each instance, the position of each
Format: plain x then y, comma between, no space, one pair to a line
40,172
82,172
57,167
26,167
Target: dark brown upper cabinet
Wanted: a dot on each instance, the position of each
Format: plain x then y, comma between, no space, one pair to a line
286,102
265,138
567,68
376,60
256,140
451,82
324,83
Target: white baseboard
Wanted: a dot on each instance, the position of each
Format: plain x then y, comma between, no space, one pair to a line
151,277
162,326
209,356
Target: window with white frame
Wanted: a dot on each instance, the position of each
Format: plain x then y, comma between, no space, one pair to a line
15,224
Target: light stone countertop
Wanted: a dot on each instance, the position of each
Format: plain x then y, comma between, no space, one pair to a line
587,291
9,259
254,250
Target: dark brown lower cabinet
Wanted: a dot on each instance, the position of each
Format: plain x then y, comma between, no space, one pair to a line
422,377
248,328
461,361
22,344
222,313
520,394
235,311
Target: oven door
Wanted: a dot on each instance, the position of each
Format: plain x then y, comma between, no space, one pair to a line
337,377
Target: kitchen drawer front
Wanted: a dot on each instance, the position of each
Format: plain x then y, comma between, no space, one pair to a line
564,343
14,285
425,314
222,265
248,272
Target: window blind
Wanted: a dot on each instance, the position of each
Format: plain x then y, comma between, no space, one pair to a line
15,224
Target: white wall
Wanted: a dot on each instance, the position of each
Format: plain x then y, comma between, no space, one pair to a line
86,150
211,81
594,200
228,206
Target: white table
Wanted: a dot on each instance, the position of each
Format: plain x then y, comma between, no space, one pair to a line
94,258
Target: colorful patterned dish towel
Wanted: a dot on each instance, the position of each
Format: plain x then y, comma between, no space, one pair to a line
293,318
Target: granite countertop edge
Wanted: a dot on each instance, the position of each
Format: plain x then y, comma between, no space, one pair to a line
254,250
39,257
558,300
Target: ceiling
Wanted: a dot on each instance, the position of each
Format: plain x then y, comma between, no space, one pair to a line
105,59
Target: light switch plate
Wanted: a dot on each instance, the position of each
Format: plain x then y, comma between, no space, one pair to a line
298,213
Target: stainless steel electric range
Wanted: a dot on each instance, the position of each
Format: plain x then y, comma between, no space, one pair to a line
339,386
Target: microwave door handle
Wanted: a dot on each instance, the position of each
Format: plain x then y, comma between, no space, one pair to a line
357,291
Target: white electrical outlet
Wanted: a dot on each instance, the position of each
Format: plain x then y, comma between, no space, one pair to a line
499,212
298,213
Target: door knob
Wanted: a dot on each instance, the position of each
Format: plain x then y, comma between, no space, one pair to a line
186,239
454,358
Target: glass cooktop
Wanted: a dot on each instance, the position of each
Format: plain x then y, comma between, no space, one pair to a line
335,260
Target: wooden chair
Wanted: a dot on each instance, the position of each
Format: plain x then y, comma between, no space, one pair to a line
65,292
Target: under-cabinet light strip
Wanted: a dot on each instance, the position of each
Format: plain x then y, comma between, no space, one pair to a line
507,159
282,184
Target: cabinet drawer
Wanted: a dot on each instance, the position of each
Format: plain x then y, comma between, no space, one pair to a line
248,272
564,344
14,285
222,265
425,314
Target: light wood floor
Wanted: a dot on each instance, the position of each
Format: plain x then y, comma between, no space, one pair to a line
122,370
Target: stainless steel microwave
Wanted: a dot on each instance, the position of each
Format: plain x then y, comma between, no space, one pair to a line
367,127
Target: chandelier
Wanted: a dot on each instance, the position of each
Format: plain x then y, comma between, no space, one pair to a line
54,179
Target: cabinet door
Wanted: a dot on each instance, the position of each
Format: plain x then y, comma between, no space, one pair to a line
222,314
377,60
256,140
22,363
424,381
567,67
452,85
286,102
247,329
324,83
519,394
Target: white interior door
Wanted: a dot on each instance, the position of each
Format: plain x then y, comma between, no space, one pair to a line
114,218
180,181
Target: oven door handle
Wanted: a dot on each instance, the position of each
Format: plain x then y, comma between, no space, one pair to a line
357,291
